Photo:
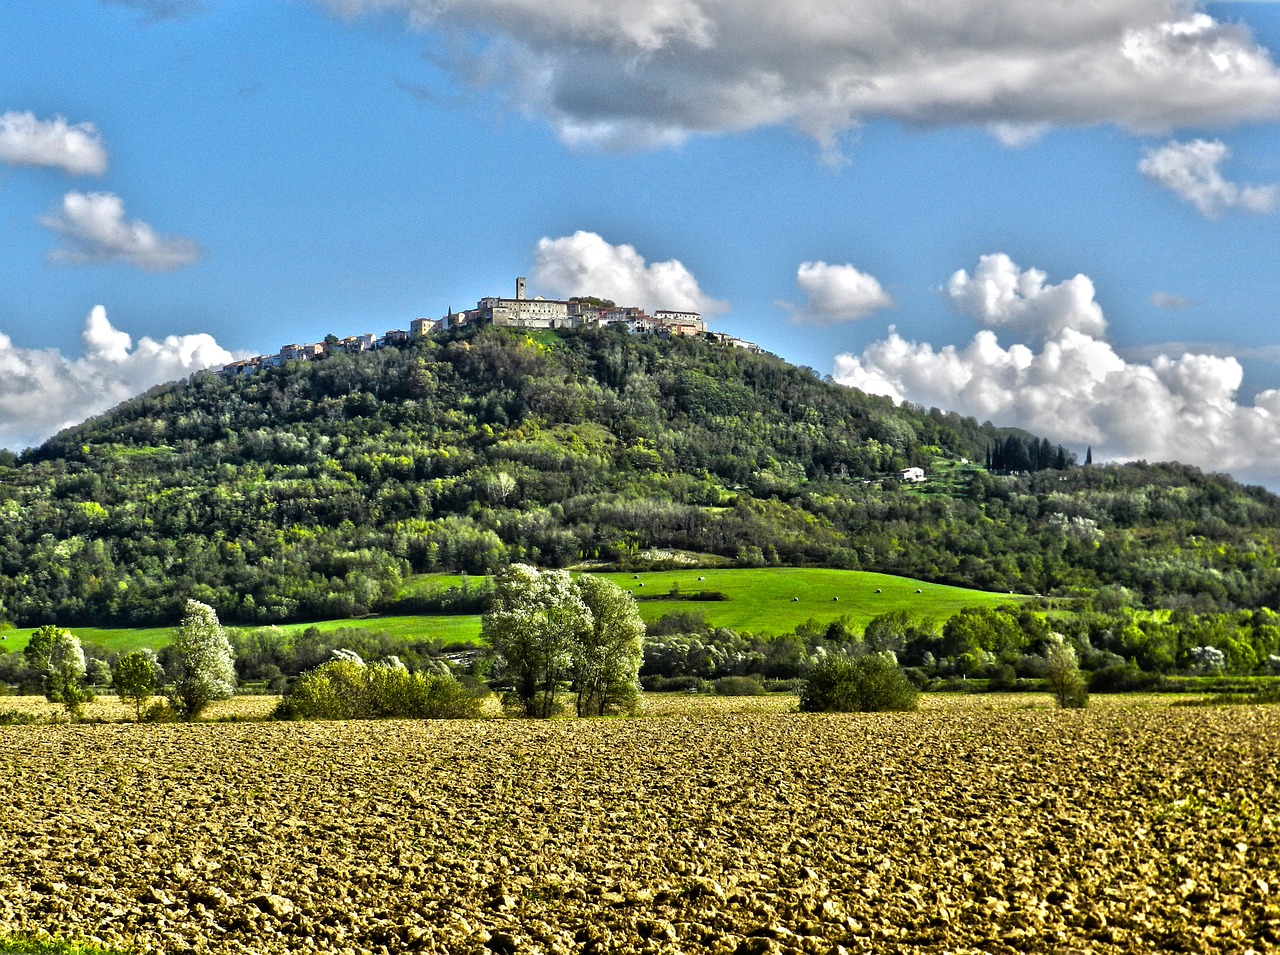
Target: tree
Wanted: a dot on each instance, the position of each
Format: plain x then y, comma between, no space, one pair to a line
57,656
608,655
39,647
135,677
202,666
865,684
1062,674
64,682
536,622
547,630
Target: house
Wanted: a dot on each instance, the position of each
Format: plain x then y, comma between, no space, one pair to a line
911,474
680,324
522,312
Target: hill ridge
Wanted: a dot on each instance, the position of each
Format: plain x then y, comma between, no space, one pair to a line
311,490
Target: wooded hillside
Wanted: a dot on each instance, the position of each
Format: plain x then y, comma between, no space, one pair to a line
314,490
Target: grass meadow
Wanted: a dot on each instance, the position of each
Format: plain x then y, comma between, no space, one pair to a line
761,600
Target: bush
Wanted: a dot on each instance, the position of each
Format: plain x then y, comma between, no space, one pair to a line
346,690
18,718
738,686
1003,679
864,684
1062,675
673,684
1126,678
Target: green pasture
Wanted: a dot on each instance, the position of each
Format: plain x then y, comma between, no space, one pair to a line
779,599
761,600
448,630
463,628
122,639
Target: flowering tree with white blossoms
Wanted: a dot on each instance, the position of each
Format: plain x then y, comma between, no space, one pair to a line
202,665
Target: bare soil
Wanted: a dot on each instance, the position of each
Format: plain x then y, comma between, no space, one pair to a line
992,824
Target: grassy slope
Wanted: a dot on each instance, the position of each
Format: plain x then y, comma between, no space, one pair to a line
760,601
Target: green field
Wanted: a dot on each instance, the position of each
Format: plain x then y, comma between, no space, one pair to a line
763,600
779,599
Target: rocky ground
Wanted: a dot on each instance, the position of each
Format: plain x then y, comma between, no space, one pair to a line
993,824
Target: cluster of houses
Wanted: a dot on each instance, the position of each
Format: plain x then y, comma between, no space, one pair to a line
518,312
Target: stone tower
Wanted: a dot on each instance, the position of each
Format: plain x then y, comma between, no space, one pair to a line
520,289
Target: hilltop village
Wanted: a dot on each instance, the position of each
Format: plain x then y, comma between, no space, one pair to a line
517,312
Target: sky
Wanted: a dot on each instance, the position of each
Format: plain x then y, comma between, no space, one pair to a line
1061,217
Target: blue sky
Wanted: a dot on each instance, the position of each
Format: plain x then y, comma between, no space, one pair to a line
184,181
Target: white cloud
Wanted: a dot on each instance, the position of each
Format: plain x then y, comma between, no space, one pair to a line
95,230
585,264
42,392
1074,388
27,141
1190,170
836,293
622,73
1000,294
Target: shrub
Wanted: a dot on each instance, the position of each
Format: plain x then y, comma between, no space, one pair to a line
18,718
864,684
1003,678
1125,678
738,686
1063,676
346,690
673,684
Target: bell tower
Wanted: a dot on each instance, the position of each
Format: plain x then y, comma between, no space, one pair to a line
520,289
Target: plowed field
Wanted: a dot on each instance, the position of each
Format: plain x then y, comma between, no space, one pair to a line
976,824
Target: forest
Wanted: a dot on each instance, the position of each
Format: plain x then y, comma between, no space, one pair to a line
318,489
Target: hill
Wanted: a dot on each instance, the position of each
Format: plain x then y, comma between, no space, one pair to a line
315,490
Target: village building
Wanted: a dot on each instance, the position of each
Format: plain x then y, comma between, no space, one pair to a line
518,312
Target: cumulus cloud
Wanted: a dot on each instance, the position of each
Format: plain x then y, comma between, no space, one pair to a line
836,293
621,73
1074,388
585,264
42,391
1000,294
1191,171
95,231
27,141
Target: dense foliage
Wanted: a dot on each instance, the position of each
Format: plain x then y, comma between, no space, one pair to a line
549,631
313,491
349,689
871,683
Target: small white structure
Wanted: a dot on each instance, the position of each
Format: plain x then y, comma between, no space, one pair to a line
911,474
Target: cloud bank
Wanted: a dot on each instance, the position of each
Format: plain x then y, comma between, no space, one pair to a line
1191,171
42,392
55,143
585,264
836,293
95,231
627,73
1070,385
